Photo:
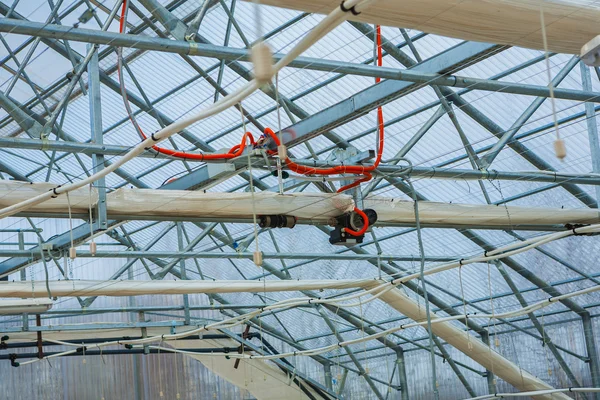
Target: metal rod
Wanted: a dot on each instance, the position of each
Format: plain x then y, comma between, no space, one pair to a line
221,52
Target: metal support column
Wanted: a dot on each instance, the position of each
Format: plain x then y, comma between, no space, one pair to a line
489,376
23,278
592,351
592,125
327,372
97,138
137,370
401,366
182,269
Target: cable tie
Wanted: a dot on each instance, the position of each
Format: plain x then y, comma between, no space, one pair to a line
340,344
351,9
549,299
485,254
309,300
460,262
57,194
154,137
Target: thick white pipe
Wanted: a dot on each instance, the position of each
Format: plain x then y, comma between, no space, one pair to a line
138,288
569,23
471,346
313,206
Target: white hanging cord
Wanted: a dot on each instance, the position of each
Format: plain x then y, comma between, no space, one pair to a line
257,257
160,387
176,367
489,271
559,145
93,246
279,158
462,293
72,250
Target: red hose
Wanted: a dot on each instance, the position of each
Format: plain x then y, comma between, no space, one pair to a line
235,151
347,169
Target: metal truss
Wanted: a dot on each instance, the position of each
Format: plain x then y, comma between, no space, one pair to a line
418,74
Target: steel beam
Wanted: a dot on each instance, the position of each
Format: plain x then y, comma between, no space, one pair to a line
189,254
592,124
401,366
221,52
454,368
97,137
592,350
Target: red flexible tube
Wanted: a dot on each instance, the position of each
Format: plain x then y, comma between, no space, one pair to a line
235,151
352,169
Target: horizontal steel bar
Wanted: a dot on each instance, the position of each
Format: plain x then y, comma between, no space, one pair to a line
315,222
234,255
227,53
469,174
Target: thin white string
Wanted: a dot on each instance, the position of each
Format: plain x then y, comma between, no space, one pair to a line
550,84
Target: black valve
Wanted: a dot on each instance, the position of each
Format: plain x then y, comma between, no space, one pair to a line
277,221
353,221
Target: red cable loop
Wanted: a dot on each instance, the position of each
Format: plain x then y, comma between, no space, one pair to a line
237,150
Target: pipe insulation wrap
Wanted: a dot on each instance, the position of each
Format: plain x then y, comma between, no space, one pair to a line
569,23
138,288
479,351
308,206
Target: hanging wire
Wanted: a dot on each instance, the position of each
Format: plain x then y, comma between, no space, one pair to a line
489,271
462,293
423,285
559,144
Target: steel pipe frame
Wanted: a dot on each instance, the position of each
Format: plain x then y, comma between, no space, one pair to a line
234,255
227,53
547,340
480,241
263,327
485,299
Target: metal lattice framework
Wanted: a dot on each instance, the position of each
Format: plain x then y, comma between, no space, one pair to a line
488,102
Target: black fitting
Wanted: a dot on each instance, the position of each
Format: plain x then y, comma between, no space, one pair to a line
351,9
12,357
277,221
81,349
